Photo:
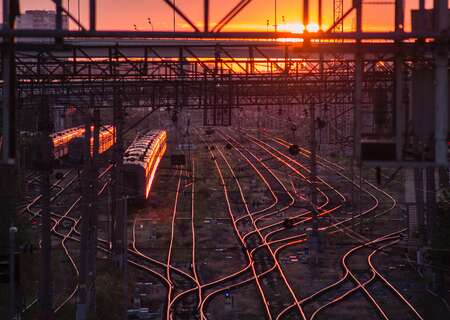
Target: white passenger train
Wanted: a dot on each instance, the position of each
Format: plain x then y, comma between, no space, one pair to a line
141,161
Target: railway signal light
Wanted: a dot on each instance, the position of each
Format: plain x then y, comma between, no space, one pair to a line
228,298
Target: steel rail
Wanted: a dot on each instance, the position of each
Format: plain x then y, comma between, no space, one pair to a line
285,280
398,294
236,230
246,280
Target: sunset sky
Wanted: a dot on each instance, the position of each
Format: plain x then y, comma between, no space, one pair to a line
123,14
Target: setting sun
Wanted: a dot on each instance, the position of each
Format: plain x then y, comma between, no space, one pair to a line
313,27
299,28
292,27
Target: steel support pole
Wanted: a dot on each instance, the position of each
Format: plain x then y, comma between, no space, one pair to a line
398,65
6,6
58,18
46,279
357,4
399,107
275,13
92,15
357,105
320,13
120,246
431,204
313,178
96,208
305,13
12,276
119,227
8,144
441,61
86,209
399,15
359,69
419,188
357,118
421,4
8,169
206,16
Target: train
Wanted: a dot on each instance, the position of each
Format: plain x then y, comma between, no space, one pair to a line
62,139
64,144
107,138
31,148
140,162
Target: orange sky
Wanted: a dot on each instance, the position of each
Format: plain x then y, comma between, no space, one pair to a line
123,14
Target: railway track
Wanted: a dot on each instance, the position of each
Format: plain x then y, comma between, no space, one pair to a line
366,243
65,184
370,210
251,245
261,230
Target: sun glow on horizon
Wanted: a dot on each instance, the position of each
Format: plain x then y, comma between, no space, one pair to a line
299,28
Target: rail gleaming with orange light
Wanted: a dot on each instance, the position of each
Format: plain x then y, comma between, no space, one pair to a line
141,161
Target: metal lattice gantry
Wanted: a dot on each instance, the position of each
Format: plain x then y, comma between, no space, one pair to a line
88,47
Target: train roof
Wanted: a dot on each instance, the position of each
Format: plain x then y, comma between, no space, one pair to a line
66,131
142,148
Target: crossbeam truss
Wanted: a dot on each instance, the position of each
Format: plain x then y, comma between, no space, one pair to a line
149,80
